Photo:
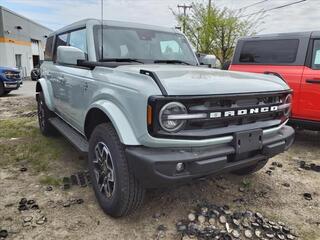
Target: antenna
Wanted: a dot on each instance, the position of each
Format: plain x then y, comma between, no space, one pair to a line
101,29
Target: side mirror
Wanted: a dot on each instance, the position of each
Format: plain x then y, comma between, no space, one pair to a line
69,55
207,60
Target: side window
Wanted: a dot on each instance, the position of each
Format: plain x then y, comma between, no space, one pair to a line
282,51
61,40
316,55
48,50
78,39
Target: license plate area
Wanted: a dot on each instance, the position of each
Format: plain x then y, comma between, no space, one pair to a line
248,141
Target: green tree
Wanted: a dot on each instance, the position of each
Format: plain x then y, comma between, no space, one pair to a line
216,31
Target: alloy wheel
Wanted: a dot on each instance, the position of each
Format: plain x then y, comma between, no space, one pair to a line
104,169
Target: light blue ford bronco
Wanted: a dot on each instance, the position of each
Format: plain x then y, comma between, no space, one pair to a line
136,101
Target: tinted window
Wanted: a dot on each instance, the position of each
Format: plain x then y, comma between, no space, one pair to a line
48,50
269,51
316,55
61,40
78,40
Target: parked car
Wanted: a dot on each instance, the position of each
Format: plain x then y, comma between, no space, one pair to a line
294,57
134,98
10,80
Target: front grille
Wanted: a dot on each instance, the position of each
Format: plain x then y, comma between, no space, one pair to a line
212,126
224,105
13,76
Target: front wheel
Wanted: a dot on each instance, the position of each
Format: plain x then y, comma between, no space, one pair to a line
117,190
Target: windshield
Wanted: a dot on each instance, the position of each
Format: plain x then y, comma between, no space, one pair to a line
146,46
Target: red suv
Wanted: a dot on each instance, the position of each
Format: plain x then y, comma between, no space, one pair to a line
294,57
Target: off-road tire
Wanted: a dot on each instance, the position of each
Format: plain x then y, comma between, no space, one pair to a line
2,91
44,114
128,193
251,169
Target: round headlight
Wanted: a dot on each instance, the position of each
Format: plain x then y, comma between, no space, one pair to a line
288,100
173,108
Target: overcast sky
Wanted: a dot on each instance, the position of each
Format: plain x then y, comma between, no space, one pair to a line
58,13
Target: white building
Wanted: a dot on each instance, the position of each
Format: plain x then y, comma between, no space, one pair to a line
22,41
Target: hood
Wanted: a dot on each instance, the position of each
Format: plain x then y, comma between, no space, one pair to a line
192,80
2,69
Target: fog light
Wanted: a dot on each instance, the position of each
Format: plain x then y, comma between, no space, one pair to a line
180,167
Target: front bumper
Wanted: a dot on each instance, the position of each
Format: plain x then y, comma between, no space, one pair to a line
12,85
156,167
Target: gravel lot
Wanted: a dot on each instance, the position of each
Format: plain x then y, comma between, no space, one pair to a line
277,195
26,90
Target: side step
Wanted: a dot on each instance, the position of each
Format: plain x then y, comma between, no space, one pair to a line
72,135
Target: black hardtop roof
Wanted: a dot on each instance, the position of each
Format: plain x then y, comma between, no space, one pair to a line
310,34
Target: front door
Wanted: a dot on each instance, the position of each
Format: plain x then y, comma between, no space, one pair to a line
75,84
310,84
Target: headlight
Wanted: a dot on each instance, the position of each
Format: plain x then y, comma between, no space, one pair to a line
288,104
173,108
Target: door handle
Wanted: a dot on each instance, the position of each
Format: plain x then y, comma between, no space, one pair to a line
85,86
313,81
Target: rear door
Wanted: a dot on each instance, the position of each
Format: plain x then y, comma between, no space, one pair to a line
54,75
310,85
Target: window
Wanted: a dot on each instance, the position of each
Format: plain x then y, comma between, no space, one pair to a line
61,40
142,44
170,47
78,40
282,51
48,50
316,55
18,61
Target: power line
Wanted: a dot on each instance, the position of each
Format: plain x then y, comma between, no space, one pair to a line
271,9
254,4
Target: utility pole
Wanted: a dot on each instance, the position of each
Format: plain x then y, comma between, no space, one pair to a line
184,7
209,5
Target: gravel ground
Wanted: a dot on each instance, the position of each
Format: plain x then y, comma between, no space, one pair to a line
277,195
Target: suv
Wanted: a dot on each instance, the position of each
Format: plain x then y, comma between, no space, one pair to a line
134,98
10,79
294,57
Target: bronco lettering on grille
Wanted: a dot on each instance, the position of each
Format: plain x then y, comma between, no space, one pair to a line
243,112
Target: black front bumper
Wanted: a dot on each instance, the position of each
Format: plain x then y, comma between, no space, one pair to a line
156,167
12,85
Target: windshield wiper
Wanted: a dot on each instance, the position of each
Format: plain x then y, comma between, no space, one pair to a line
121,60
172,61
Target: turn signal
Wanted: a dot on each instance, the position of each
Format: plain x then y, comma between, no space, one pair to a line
149,115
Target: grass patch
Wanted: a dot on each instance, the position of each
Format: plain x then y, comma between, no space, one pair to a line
18,127
246,183
49,180
30,146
